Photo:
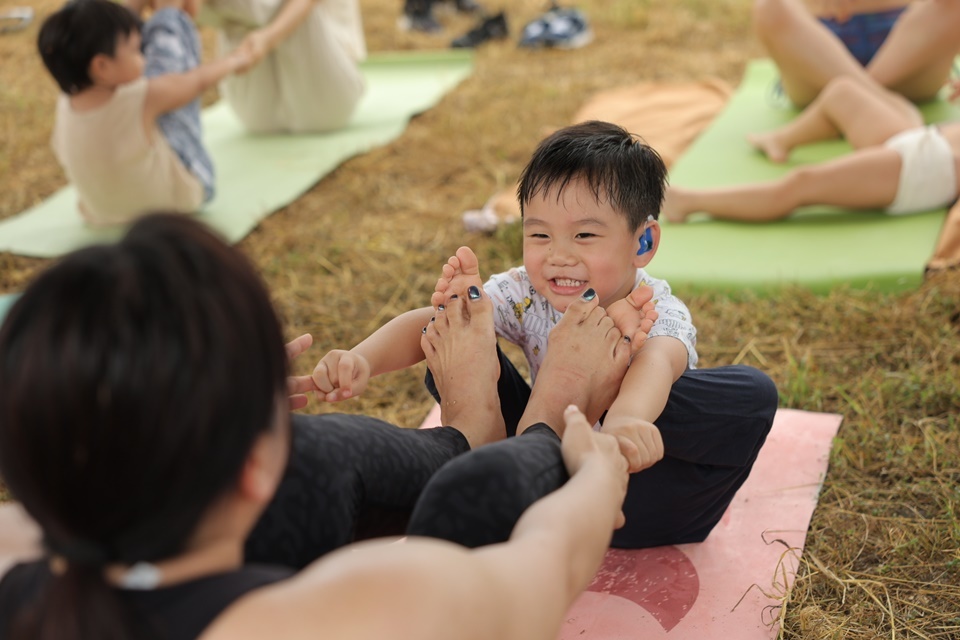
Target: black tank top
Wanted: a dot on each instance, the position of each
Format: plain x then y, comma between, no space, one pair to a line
179,612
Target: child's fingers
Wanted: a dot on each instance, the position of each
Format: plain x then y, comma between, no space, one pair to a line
325,375
630,451
346,372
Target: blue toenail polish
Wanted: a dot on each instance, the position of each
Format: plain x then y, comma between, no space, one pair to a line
627,339
440,307
424,330
454,297
473,292
589,294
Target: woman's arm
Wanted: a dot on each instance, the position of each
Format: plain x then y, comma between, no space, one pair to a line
262,41
19,536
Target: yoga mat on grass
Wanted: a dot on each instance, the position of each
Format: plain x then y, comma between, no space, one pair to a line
818,247
6,301
258,174
730,585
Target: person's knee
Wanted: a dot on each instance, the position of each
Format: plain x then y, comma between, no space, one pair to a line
769,17
795,188
843,88
762,389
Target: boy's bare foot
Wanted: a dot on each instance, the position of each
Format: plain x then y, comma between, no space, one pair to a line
461,350
770,145
461,272
676,205
585,365
634,315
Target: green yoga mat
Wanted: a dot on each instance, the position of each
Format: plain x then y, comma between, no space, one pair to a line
256,175
818,247
6,301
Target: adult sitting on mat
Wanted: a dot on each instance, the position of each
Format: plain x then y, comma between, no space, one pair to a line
306,76
169,434
911,54
898,164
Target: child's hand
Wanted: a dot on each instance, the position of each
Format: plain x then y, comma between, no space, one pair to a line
341,375
255,46
640,441
242,60
634,316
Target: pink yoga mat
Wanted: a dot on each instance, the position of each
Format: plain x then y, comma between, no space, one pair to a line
730,585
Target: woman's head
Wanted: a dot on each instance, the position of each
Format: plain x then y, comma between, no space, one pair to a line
135,380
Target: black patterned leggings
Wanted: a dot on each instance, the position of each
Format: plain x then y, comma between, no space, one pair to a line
352,477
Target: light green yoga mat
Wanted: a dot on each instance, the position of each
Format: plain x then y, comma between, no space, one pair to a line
818,247
6,301
256,175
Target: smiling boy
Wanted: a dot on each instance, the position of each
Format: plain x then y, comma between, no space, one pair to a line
590,197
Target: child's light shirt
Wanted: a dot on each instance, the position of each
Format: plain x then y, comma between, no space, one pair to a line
525,318
117,171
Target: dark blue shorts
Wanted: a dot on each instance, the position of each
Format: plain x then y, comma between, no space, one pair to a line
864,33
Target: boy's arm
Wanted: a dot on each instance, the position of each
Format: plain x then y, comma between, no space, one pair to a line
396,345
642,398
171,91
260,42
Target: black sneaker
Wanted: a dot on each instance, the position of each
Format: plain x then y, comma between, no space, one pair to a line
492,28
462,6
418,16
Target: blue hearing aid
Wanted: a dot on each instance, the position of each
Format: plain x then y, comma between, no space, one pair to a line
646,241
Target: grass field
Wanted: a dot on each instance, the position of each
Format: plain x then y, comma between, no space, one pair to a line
882,558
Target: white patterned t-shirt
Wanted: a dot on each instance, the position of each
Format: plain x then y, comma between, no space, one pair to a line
525,318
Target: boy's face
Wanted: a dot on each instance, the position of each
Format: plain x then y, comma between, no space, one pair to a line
575,243
125,66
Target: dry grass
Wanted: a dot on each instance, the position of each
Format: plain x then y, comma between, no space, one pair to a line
883,555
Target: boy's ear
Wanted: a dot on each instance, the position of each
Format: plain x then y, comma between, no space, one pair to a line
648,241
99,67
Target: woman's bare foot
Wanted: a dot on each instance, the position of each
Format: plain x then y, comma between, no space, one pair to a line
461,350
634,316
461,272
676,205
771,145
585,364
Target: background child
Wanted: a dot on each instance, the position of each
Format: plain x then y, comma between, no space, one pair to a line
590,197
127,129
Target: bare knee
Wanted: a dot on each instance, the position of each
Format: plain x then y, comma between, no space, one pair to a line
770,17
794,189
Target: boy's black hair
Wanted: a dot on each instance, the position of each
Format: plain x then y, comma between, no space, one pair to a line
70,38
615,164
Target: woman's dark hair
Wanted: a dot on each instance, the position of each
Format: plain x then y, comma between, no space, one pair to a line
614,164
71,37
135,379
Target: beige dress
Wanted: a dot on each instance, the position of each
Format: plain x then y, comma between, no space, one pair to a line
310,82
119,173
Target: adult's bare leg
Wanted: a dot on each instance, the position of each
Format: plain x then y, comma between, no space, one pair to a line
586,360
864,179
916,58
461,350
807,54
865,114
